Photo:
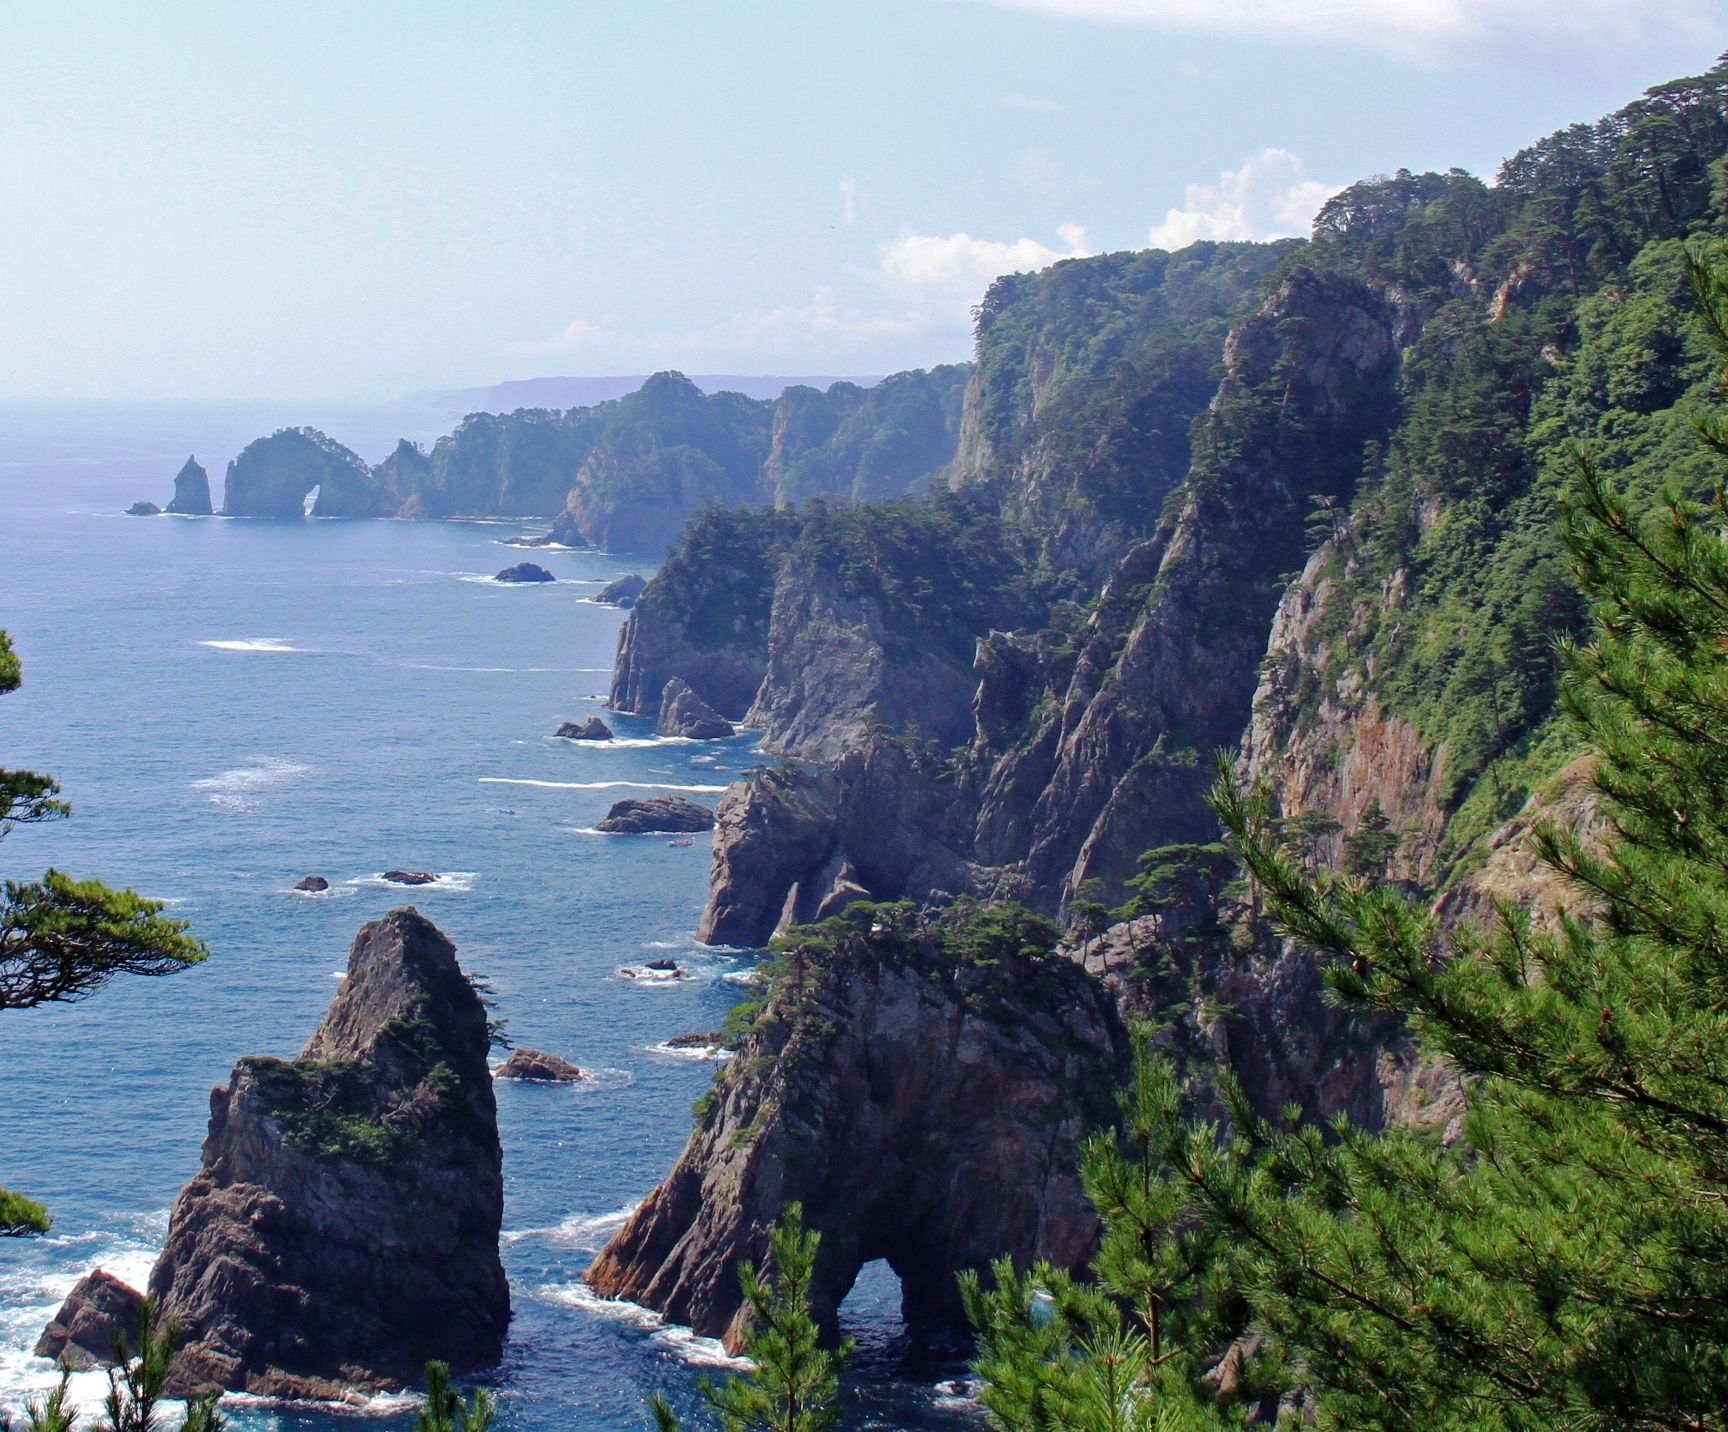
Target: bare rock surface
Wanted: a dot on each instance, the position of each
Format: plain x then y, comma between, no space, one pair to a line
684,713
591,728
344,1226
656,815
99,1312
525,572
191,491
538,1067
923,1110
623,592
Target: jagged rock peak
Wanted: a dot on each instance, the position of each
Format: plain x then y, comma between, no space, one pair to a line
923,1106
684,713
191,491
344,1226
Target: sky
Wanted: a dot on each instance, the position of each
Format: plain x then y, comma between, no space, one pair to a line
358,199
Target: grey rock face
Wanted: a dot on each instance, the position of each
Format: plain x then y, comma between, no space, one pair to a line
191,491
623,592
538,1067
525,572
143,509
99,1312
922,1112
590,729
655,816
344,1227
684,713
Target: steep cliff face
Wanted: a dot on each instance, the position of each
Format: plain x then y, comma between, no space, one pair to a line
344,1226
406,472
519,464
957,1089
191,491
273,476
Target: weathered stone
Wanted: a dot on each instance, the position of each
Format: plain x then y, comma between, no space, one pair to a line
143,509
623,592
656,815
312,883
525,572
538,1067
684,713
591,728
922,1111
98,1313
191,491
344,1227
410,877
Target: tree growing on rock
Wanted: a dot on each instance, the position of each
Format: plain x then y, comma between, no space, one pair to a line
62,939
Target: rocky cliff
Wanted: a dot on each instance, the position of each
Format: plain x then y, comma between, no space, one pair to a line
191,491
344,1226
274,476
957,1078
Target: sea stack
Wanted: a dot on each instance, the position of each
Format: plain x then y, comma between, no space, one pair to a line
684,713
344,1227
191,491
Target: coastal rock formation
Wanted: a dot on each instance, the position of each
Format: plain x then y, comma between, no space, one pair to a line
191,491
656,815
623,592
409,877
344,1227
273,477
590,728
684,713
538,1067
923,1109
98,1313
525,572
143,509
313,884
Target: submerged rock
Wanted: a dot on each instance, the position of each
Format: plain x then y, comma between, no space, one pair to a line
684,713
344,1227
525,572
99,1312
312,883
655,815
623,592
143,509
715,1040
590,729
923,1110
191,491
410,877
538,1067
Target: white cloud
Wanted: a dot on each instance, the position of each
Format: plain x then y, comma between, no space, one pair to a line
1511,30
927,261
574,337
1269,197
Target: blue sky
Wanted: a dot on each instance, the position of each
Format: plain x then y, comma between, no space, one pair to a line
353,200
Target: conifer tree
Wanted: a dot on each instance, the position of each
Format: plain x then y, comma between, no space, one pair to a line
795,1386
446,1411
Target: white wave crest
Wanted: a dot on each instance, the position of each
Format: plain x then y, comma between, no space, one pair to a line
455,882
681,1342
599,785
257,643
704,1053
238,789
628,743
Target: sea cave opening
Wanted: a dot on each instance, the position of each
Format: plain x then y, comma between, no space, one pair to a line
872,1315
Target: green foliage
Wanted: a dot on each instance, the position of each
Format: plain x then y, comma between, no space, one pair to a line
20,1215
328,1108
445,1410
1123,1351
53,1413
138,1379
795,1386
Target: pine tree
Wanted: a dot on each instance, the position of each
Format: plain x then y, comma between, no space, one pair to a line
1566,1265
795,1386
62,939
445,1410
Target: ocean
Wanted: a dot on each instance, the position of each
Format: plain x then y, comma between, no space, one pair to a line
232,705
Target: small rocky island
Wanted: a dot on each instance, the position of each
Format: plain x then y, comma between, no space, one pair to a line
591,728
344,1227
622,593
191,491
525,572
658,815
535,1066
143,509
684,713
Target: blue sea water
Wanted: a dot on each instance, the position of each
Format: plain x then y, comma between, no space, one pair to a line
231,705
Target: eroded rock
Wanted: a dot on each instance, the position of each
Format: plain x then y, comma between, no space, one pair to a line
538,1067
590,729
344,1226
525,572
656,815
99,1313
623,592
684,713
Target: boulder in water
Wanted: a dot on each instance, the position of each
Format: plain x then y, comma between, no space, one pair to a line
591,729
313,883
143,509
525,572
623,592
684,713
410,877
343,1230
538,1067
98,1313
655,815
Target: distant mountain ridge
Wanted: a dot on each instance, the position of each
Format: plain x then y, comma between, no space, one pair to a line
572,392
